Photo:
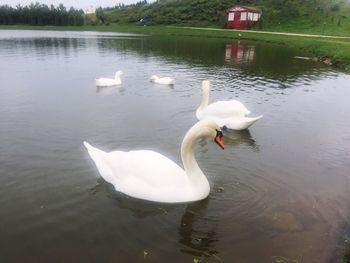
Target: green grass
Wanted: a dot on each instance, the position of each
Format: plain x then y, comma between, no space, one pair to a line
327,26
336,49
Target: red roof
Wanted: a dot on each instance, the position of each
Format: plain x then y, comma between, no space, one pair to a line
236,8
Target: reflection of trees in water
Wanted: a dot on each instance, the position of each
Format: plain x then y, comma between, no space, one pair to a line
47,46
196,232
179,48
267,60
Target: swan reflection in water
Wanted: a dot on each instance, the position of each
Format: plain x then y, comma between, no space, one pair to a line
233,138
197,232
107,90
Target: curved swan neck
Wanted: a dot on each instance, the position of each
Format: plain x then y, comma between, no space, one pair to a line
205,95
118,74
191,167
187,154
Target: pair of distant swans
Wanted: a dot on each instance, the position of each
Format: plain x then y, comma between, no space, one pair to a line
107,82
151,176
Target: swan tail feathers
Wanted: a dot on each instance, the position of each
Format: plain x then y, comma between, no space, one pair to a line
94,152
88,146
252,120
257,118
101,161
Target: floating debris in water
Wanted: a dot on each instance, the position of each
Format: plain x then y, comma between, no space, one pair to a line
220,189
163,210
280,259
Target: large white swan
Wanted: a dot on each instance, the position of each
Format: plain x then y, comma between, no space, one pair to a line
151,176
231,113
163,80
103,82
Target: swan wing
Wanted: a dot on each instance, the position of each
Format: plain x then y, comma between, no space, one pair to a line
226,109
241,123
105,82
166,81
146,167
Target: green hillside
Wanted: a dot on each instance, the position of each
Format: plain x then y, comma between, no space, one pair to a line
278,15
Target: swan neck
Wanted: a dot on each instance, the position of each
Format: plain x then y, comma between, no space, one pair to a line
205,99
190,164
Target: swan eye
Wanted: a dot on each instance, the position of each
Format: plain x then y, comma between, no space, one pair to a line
219,134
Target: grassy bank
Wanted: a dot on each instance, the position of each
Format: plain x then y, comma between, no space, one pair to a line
338,50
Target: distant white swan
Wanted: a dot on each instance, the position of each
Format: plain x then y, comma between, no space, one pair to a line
231,113
151,176
164,80
110,82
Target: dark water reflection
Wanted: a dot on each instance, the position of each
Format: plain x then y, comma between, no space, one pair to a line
279,192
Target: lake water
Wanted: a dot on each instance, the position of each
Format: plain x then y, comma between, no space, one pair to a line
280,191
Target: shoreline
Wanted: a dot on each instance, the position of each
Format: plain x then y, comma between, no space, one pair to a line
336,49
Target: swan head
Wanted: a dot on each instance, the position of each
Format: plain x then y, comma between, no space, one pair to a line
207,129
154,77
214,132
119,73
217,139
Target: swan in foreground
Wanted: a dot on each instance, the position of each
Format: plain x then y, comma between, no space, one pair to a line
164,80
151,176
110,82
230,114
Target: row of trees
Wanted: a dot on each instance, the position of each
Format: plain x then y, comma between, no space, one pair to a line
41,14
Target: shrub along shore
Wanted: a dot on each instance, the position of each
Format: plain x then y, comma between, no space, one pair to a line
330,49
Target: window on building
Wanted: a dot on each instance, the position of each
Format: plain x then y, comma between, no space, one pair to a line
243,16
231,16
255,17
250,16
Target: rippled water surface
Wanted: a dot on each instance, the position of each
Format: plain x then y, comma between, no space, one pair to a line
279,191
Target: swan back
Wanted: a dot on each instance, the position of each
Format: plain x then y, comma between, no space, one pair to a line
231,113
163,80
104,82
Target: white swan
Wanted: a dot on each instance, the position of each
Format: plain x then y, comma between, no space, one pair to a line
231,113
151,176
110,82
164,80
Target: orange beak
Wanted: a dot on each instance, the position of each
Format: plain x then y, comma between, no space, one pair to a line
218,139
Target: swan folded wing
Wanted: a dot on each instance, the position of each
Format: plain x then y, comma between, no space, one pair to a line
226,109
167,80
103,81
107,82
146,167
